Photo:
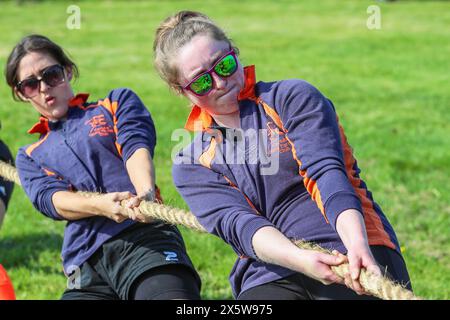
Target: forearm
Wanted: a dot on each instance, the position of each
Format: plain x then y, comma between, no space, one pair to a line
73,206
273,247
351,228
141,171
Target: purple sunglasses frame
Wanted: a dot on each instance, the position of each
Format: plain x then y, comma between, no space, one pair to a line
210,71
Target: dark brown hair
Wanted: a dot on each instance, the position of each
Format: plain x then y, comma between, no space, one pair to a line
34,43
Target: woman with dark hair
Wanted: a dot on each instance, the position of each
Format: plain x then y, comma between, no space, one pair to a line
107,147
311,189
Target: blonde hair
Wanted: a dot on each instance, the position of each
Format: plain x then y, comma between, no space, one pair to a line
176,31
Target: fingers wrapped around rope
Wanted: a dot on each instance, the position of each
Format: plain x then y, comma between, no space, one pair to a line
378,286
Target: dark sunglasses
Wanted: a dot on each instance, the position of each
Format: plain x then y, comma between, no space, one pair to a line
224,67
52,76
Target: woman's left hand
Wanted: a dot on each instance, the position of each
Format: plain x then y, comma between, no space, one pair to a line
360,257
134,202
352,230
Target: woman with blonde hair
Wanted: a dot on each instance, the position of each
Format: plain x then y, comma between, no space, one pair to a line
313,193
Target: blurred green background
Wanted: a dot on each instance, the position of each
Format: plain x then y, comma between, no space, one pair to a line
390,87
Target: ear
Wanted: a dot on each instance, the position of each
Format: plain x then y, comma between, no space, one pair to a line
178,91
69,73
21,97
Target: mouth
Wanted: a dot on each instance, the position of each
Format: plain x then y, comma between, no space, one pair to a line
50,100
225,93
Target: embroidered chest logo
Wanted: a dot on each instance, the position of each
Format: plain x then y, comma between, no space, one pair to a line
277,140
99,126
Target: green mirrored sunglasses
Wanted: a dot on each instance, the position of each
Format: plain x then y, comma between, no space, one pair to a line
224,67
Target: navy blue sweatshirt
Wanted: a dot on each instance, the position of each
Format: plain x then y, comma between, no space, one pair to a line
303,180
86,152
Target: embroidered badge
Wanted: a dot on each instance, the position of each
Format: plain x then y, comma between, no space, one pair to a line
277,140
99,126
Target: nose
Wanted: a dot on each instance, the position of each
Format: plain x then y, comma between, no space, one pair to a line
43,87
220,83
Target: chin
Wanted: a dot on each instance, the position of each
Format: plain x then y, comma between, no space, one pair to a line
225,109
59,112
229,97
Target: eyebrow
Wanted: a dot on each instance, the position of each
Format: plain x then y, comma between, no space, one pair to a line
213,59
39,73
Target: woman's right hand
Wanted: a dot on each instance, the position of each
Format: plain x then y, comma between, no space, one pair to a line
317,265
134,202
108,205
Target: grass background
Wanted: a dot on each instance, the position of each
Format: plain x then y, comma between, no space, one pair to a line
390,88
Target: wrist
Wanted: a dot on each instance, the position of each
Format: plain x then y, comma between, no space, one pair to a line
299,260
351,228
96,205
147,195
360,246
296,258
356,244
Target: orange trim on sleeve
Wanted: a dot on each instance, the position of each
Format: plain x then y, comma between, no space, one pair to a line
310,184
31,148
112,108
246,198
272,114
376,233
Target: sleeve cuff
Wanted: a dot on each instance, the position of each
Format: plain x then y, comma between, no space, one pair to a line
340,202
248,231
49,208
129,150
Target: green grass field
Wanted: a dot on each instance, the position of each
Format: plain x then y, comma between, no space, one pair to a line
391,88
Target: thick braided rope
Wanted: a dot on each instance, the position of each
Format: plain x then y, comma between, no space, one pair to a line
9,172
170,214
380,287
162,212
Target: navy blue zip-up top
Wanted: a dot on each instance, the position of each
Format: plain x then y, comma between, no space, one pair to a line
86,152
306,179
